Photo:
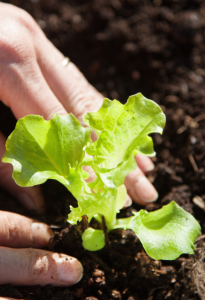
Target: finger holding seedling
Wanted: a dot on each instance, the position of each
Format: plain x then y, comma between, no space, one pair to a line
35,78
26,266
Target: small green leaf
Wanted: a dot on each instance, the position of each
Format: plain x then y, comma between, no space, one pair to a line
115,177
41,150
122,132
166,233
105,203
75,215
93,239
124,128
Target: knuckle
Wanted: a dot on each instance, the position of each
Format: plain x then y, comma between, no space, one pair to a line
15,50
17,45
56,109
14,230
83,96
83,105
83,101
138,173
133,177
9,227
18,14
28,22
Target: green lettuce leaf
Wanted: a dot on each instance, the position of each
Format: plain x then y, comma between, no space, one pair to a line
115,177
122,132
166,233
107,203
93,239
54,149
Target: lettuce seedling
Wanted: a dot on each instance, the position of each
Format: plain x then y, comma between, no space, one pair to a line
59,148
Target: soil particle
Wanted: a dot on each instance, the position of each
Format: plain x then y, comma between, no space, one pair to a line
198,274
187,27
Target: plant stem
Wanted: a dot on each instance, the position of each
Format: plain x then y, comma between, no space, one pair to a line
104,227
85,224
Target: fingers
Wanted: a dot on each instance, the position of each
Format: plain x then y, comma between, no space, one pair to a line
31,197
38,267
19,231
32,266
78,97
27,92
39,84
140,188
144,163
67,83
22,85
24,89
32,78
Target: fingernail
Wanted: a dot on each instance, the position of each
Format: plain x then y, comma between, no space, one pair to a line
26,201
128,202
70,269
145,190
41,234
149,167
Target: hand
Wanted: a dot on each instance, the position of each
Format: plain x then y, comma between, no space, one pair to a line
30,266
33,81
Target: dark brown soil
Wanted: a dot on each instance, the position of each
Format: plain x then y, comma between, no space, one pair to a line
124,47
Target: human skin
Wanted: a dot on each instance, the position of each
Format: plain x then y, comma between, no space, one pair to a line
34,81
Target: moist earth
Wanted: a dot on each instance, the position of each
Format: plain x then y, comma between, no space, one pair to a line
124,47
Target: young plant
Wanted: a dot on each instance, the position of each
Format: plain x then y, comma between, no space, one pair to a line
56,149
